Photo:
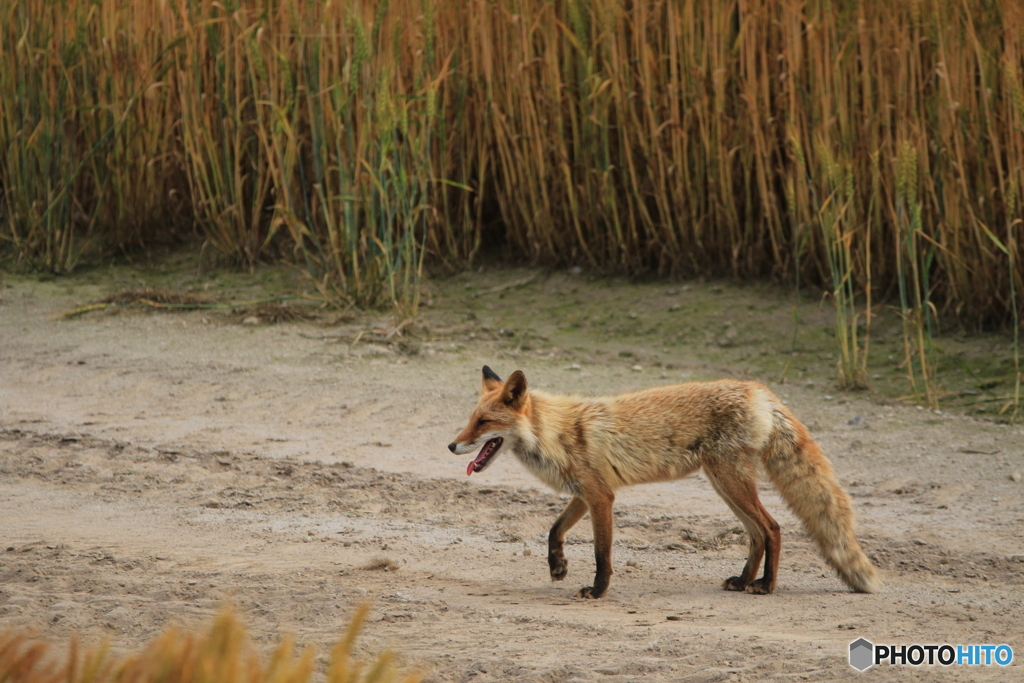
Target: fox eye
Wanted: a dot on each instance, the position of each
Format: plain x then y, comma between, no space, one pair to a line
481,422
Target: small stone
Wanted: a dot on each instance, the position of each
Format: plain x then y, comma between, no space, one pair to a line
636,368
527,552
630,563
1016,476
251,320
574,366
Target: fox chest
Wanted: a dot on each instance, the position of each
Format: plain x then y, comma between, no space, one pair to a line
548,472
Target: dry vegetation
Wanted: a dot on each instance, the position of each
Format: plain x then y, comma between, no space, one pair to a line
875,146
221,655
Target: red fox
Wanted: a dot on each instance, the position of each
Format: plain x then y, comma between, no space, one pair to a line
589,447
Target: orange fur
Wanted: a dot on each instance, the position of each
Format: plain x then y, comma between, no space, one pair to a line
590,447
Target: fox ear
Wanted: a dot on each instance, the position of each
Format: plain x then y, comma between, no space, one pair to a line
491,379
514,392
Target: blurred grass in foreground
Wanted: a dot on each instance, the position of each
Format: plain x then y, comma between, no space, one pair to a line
220,655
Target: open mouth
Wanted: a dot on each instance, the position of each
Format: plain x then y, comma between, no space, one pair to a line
486,453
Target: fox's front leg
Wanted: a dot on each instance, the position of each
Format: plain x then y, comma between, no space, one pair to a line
601,517
573,513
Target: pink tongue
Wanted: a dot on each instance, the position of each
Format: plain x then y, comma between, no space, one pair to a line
484,452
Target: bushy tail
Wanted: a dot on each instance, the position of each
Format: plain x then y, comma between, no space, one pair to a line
803,476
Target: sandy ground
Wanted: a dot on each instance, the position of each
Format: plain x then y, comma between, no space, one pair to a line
154,466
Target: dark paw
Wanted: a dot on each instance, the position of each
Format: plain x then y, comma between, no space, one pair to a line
559,568
588,592
759,587
734,583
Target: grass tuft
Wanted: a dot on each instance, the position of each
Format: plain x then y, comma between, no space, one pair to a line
222,653
157,296
380,563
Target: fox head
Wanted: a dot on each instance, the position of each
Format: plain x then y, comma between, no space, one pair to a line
497,421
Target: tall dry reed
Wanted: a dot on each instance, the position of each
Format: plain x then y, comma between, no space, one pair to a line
362,138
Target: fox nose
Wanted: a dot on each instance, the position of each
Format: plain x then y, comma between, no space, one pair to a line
451,447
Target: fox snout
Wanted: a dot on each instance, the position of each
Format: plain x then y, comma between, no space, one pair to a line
463,447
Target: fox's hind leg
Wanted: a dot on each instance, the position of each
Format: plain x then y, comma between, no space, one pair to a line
740,492
573,513
754,555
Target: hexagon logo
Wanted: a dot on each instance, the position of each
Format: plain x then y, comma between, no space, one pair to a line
862,654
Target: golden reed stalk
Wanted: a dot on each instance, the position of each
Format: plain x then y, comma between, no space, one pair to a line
361,138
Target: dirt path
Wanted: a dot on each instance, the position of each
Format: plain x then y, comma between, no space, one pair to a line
153,466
